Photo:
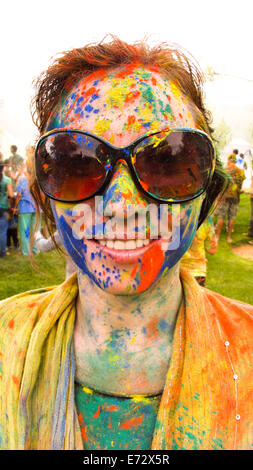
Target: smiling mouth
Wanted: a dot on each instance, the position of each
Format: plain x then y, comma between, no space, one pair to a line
124,244
126,251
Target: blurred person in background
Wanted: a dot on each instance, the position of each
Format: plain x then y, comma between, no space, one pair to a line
15,159
194,259
250,192
5,193
229,202
26,211
13,173
12,232
240,162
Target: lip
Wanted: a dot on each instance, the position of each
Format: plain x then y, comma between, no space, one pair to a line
125,256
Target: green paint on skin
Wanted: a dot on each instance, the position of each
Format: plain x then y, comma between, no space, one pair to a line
143,74
165,110
147,95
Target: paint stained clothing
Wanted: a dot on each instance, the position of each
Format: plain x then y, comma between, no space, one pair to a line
127,422
234,187
26,222
227,208
207,399
194,259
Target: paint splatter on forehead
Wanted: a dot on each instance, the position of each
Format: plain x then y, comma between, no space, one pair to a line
124,103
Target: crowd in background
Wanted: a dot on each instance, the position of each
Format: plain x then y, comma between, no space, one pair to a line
17,208
18,211
207,236
18,214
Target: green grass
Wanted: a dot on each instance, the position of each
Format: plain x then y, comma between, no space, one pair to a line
17,274
228,274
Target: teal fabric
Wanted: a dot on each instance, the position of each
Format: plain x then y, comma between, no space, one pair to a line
25,224
3,192
110,422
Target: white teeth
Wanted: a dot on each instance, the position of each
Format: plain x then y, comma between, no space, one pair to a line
124,245
119,245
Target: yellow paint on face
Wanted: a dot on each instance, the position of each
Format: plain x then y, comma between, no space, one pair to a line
128,102
120,91
175,91
102,126
132,340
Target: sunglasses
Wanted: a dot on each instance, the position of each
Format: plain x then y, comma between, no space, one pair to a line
173,165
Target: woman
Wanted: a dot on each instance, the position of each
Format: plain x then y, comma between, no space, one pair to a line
131,353
5,192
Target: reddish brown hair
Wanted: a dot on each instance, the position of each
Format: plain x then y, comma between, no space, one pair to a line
73,65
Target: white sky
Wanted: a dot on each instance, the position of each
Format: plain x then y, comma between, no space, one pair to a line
218,33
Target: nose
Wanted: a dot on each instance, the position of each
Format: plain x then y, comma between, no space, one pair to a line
122,192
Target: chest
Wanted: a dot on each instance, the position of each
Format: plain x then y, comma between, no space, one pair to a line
127,422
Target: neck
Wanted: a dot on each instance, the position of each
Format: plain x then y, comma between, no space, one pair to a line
120,335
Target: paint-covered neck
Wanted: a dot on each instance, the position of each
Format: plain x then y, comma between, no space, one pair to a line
123,343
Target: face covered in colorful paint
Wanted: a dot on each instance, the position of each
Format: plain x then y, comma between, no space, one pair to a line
121,105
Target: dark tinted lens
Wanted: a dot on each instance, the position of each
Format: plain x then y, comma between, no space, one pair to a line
175,166
71,166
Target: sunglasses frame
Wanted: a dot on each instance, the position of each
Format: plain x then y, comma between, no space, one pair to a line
126,154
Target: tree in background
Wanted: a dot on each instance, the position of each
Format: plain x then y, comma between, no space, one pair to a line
222,135
250,130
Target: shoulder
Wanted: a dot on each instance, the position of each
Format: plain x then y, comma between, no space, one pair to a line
15,309
20,313
235,317
220,301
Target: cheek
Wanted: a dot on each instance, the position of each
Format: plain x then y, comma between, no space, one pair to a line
186,227
76,248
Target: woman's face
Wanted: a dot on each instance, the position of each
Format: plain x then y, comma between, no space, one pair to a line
120,106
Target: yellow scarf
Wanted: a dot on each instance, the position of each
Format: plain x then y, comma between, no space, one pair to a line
203,406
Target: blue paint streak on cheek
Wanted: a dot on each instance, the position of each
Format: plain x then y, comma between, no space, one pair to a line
76,249
186,237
